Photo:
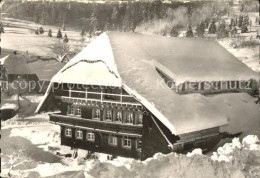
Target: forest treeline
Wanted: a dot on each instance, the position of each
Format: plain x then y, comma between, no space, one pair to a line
124,16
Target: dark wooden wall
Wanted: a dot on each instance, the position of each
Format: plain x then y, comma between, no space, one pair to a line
100,144
152,140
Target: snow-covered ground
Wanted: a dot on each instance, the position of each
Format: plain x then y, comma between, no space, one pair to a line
19,35
37,141
235,159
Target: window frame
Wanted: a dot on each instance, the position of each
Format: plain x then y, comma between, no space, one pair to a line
116,116
80,136
128,140
91,139
106,114
140,119
137,143
95,109
69,131
114,141
78,108
128,113
69,109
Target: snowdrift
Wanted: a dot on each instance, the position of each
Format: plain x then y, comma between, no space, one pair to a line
241,160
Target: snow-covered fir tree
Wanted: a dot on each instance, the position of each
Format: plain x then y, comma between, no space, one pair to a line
50,33
59,34
212,27
41,30
37,31
82,34
63,27
222,31
65,40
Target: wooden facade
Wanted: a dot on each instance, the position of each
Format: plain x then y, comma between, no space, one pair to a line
101,119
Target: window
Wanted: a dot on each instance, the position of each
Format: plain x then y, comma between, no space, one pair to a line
68,132
118,116
112,140
126,142
90,136
129,117
140,118
96,113
109,115
79,134
109,94
70,109
78,111
138,144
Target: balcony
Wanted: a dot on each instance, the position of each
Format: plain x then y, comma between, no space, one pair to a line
96,101
96,124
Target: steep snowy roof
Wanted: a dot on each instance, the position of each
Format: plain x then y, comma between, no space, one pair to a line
127,60
96,73
185,59
15,64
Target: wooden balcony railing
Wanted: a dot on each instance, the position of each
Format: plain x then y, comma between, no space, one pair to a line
96,125
75,99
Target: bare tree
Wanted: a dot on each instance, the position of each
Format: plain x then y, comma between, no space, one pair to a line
16,159
61,48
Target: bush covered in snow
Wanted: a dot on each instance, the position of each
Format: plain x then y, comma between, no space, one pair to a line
232,160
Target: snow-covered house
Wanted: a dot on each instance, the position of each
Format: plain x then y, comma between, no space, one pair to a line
14,72
113,98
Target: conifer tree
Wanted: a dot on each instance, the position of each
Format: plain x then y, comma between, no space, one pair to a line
37,31
41,30
65,40
59,34
244,28
212,27
222,31
50,33
63,27
82,34
200,30
189,32
174,32
1,28
240,21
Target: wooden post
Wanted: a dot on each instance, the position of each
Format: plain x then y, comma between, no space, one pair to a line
121,97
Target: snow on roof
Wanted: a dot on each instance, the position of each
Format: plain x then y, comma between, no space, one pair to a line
180,113
9,106
45,70
102,71
128,59
99,49
15,64
95,74
186,59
